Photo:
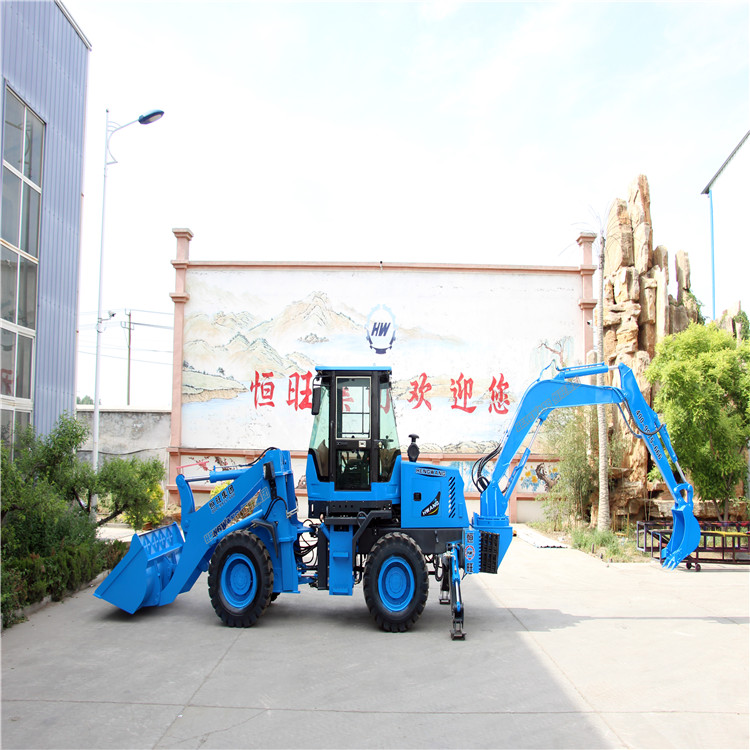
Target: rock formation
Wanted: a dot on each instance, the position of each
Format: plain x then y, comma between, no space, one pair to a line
638,313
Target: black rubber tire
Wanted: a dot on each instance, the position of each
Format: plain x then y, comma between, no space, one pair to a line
399,556
240,579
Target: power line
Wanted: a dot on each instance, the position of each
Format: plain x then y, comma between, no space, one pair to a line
124,309
87,350
125,359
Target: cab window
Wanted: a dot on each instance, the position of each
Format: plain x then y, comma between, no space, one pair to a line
389,447
319,439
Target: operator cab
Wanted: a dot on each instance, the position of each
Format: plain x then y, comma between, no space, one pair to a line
354,443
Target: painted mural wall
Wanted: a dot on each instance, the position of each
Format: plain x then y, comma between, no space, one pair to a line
463,345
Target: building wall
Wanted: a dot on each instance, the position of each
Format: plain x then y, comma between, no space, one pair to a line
463,343
127,433
45,63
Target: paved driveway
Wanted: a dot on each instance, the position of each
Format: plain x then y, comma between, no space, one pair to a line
562,651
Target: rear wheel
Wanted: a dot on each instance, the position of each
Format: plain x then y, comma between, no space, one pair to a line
395,582
240,579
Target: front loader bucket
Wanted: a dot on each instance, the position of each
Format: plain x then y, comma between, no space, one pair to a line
686,535
140,577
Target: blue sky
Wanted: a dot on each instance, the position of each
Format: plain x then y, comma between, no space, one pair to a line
430,132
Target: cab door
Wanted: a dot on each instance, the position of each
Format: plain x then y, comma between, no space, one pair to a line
353,443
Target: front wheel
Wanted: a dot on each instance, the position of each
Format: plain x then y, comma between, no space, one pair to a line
240,579
395,582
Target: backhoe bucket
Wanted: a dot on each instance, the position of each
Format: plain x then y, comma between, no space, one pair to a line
142,574
686,535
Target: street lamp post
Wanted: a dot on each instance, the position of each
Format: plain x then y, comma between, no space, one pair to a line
709,192
112,128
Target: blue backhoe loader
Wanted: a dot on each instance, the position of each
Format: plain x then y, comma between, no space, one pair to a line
374,518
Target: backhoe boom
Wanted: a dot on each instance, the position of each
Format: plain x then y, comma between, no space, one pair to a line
544,396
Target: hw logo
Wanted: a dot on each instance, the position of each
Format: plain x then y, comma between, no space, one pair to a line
381,329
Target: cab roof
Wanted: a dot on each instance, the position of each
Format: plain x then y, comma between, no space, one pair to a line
375,368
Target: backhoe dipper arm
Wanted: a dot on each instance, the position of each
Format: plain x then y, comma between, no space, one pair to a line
541,398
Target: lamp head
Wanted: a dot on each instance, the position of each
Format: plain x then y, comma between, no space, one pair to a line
150,117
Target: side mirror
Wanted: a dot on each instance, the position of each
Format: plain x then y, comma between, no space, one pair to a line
316,398
412,451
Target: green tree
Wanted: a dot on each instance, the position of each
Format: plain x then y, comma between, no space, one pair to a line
567,432
46,471
134,490
573,436
703,376
50,461
49,541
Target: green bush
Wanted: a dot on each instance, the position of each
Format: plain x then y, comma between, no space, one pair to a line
49,543
569,499
604,544
134,490
29,579
12,594
113,552
704,395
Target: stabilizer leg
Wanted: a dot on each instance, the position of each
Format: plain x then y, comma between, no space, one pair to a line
451,559
445,581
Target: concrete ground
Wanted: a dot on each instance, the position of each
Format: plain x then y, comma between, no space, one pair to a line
562,651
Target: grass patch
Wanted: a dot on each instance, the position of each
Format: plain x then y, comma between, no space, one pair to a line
606,545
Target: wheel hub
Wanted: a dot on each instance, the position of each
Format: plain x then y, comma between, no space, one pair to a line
396,583
238,581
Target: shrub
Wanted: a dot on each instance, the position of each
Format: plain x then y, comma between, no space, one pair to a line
605,544
12,594
704,395
29,579
112,552
134,490
567,432
49,543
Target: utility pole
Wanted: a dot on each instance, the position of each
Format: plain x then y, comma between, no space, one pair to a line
604,521
130,341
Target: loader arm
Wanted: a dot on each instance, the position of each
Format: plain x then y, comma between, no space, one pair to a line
161,564
545,395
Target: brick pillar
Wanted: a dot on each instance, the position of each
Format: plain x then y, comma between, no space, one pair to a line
587,302
180,296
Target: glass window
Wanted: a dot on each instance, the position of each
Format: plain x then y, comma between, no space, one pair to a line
11,207
25,347
23,420
319,437
6,427
389,447
9,264
30,221
23,165
32,163
27,294
7,362
353,408
13,131
12,426
352,469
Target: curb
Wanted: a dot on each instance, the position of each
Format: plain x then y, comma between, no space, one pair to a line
30,609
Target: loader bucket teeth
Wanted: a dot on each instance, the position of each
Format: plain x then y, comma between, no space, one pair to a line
142,574
686,535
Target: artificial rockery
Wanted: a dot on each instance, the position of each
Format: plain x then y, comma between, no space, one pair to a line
639,312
